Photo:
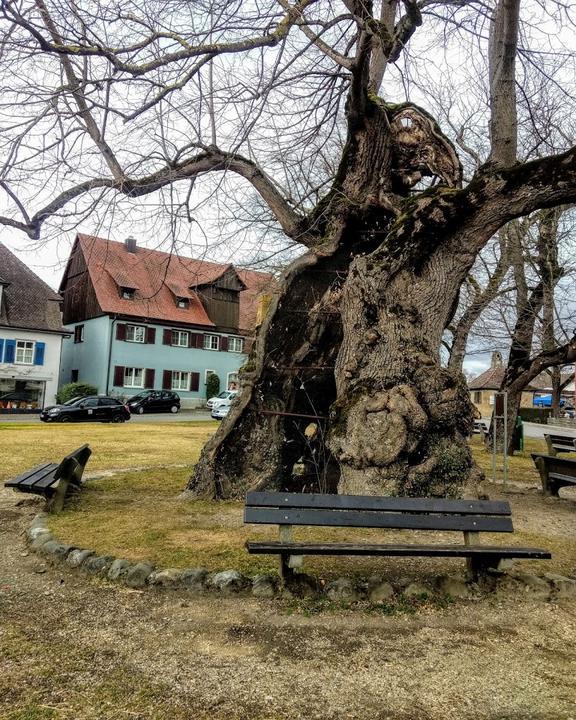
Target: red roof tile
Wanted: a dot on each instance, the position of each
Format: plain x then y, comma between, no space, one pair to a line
158,277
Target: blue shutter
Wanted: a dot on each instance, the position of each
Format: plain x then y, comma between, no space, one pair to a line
39,353
10,351
1,349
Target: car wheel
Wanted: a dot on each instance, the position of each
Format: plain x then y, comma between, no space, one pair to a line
117,419
174,409
140,410
65,418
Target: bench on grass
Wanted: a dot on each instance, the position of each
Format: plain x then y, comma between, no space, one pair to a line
52,480
555,472
559,443
468,516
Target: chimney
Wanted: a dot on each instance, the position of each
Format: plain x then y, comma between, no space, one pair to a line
130,244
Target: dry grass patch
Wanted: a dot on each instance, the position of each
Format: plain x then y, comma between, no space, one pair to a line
113,446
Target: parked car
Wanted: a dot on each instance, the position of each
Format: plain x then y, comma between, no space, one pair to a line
95,408
154,401
546,401
480,426
220,411
224,395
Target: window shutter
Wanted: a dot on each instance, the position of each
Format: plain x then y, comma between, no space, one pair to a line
167,337
191,340
9,351
39,349
196,340
194,381
149,378
223,343
120,331
1,349
167,380
150,335
119,376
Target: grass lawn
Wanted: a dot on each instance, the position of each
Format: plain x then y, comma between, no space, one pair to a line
139,514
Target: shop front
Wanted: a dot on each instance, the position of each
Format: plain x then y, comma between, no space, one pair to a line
21,395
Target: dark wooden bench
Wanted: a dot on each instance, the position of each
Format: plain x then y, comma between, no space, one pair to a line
54,481
560,443
555,472
468,516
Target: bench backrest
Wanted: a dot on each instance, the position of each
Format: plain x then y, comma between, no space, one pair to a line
555,464
79,456
273,508
561,442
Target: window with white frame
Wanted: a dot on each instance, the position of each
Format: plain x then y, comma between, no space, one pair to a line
180,338
133,377
135,333
232,381
24,352
235,344
211,342
209,372
180,380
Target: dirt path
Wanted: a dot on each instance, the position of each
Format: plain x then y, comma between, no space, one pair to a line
71,647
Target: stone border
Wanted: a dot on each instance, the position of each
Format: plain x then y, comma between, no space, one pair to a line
230,582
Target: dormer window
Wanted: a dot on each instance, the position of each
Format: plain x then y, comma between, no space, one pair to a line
127,293
183,302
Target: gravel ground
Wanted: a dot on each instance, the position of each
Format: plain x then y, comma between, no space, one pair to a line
72,647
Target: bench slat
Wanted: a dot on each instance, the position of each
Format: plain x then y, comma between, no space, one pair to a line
354,518
276,548
367,503
31,477
559,476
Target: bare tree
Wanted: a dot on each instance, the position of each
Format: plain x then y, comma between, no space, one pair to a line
153,98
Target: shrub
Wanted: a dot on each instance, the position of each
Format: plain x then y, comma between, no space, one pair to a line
212,385
77,389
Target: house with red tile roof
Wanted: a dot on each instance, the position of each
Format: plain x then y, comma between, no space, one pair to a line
484,387
145,319
31,335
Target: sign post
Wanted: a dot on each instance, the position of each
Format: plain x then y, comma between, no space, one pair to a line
500,417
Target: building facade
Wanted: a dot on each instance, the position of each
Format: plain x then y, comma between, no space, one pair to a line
31,334
143,319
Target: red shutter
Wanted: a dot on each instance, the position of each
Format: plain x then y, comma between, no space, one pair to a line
167,337
194,381
223,342
149,378
150,335
197,340
119,376
120,332
167,380
191,340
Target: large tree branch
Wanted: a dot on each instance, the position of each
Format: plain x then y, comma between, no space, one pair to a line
210,160
502,75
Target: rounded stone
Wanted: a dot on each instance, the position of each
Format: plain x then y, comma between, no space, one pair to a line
118,569
55,550
41,540
137,575
194,579
563,586
380,592
264,586
228,582
40,520
453,586
168,578
98,564
34,532
76,557
416,590
342,590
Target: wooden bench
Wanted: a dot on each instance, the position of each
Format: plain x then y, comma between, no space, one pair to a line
468,516
555,472
54,481
559,443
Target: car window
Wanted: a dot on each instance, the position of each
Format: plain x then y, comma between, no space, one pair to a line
106,402
90,402
72,401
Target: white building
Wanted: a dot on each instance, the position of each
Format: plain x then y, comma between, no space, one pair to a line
31,335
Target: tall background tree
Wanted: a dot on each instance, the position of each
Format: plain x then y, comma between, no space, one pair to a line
309,104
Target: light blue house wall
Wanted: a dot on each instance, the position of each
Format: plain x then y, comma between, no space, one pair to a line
100,352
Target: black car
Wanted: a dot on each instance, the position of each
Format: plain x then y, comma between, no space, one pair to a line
154,401
95,408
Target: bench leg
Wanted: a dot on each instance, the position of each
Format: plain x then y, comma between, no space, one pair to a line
479,567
